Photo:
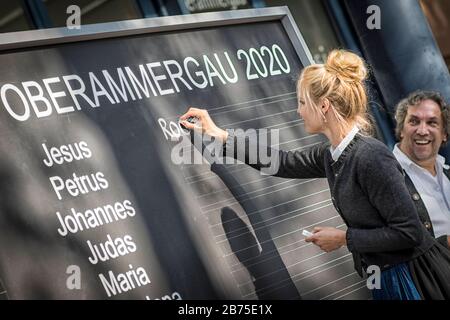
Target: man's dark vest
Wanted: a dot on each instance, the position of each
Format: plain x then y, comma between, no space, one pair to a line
421,209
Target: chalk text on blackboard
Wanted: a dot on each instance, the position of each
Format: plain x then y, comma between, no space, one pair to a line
77,185
92,218
66,153
111,249
124,282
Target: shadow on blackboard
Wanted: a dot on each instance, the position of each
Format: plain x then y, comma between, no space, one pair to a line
270,275
266,269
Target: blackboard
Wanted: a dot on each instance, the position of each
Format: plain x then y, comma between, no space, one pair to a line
93,205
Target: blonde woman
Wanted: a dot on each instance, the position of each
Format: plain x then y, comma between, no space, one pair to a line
366,182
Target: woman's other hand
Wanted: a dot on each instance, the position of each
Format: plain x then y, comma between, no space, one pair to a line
327,238
203,123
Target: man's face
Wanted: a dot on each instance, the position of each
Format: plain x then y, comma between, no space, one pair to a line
423,132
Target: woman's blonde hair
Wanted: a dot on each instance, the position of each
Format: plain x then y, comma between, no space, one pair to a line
341,81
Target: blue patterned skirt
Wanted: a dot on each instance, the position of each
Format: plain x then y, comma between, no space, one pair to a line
396,284
426,277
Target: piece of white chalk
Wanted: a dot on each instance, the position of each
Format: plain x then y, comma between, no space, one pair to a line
306,233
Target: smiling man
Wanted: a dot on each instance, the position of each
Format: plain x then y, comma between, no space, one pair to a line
422,128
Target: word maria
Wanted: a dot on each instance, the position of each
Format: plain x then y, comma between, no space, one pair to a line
118,283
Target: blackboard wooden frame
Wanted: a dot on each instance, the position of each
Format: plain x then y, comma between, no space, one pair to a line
34,38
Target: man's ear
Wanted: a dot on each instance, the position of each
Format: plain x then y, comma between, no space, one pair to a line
401,135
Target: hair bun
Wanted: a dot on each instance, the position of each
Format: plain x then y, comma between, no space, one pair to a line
346,66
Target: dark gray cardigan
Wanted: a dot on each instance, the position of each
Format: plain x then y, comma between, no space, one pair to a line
422,210
368,191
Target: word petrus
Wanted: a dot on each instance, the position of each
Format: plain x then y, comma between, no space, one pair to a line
78,185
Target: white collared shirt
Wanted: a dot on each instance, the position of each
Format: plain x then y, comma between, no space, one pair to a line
336,152
434,191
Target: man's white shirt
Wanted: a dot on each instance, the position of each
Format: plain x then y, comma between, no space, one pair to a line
434,191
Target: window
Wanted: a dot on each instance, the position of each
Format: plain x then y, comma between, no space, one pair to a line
196,6
12,17
438,16
314,24
93,11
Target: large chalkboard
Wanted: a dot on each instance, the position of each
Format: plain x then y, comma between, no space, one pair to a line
94,206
